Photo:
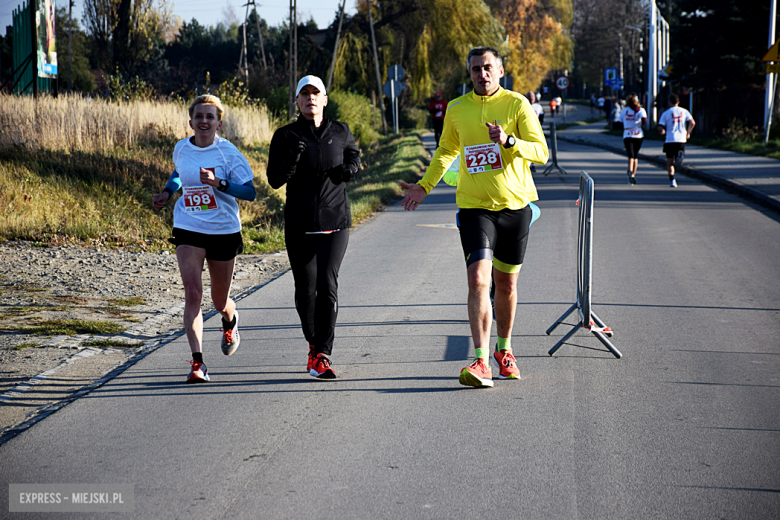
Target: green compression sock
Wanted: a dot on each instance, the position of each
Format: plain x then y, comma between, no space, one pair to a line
504,344
482,353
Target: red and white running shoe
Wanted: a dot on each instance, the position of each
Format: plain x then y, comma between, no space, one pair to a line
199,373
507,365
321,368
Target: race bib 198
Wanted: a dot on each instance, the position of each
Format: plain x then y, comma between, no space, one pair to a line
199,198
483,157
632,133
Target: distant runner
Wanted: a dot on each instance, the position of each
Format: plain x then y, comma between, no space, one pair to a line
677,124
438,109
633,117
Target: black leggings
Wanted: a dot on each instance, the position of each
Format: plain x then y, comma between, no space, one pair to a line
632,145
315,261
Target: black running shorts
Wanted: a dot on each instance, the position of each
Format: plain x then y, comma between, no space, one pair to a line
500,236
632,146
671,149
220,248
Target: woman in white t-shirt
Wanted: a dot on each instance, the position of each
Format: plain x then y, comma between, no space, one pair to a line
206,223
633,117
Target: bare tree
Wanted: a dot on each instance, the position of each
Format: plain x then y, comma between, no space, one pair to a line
604,30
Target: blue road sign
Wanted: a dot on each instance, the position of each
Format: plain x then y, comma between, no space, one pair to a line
610,75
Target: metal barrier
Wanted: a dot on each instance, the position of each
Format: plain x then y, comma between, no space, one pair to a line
588,319
554,152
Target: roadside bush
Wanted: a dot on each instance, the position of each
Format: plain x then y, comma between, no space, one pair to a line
134,89
414,118
774,130
277,102
356,111
738,131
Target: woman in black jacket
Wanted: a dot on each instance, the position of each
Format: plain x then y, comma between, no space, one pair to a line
315,157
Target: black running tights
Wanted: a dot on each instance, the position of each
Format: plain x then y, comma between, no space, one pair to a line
315,261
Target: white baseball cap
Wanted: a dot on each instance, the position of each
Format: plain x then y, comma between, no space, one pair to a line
310,80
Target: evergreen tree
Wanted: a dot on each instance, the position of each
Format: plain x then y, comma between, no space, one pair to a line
82,79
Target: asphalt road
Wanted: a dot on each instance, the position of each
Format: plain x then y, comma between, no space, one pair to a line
685,425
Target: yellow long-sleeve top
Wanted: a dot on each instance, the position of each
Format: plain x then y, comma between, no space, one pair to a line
491,176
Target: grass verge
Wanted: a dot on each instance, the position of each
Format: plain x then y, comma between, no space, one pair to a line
130,301
67,327
27,310
398,158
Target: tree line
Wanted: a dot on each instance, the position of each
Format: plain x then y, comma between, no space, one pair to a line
716,48
142,41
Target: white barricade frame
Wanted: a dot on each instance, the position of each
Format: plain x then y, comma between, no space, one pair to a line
587,318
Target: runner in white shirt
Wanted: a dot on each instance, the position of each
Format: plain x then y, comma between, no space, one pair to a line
539,111
633,117
677,124
206,223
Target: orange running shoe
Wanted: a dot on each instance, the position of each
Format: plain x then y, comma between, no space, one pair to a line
199,373
321,368
477,374
507,366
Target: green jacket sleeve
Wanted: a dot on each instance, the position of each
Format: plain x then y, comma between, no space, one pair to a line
448,151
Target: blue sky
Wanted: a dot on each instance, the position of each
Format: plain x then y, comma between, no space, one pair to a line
211,12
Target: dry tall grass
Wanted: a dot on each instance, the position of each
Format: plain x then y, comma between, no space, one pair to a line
86,169
73,123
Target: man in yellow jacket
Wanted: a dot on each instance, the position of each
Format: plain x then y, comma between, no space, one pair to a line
497,135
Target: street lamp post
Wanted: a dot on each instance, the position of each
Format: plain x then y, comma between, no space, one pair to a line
652,72
770,92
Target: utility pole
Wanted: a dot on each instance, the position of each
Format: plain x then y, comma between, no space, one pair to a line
70,53
259,33
293,56
241,56
246,49
376,65
336,47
